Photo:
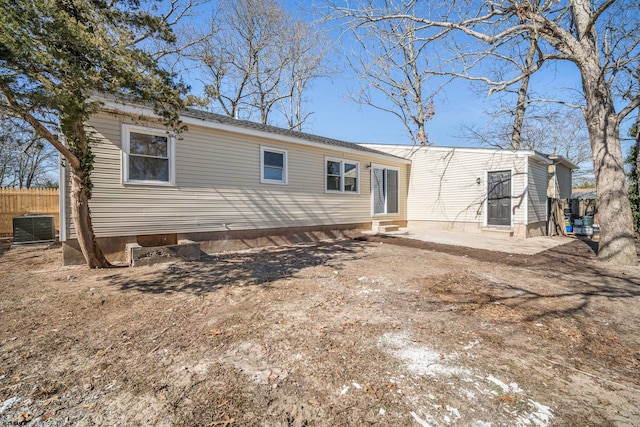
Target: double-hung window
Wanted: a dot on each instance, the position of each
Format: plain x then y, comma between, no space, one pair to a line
148,156
385,190
342,175
273,166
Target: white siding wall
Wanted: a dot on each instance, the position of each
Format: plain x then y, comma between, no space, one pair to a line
218,187
538,183
443,182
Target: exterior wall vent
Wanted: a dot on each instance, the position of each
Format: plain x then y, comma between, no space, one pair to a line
33,229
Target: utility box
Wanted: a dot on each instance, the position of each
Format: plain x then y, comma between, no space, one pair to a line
33,229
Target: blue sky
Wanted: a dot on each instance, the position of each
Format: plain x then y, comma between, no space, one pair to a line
336,116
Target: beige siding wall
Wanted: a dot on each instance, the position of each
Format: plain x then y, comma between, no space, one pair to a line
563,176
443,184
218,187
538,182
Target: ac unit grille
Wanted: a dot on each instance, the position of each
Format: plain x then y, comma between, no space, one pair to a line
33,228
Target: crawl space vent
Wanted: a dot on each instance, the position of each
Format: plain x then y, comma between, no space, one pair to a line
33,229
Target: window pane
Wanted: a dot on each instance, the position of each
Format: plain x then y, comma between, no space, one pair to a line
351,184
273,159
148,145
378,191
333,168
148,169
273,173
350,177
392,191
333,183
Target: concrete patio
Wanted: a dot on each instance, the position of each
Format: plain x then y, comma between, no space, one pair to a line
487,241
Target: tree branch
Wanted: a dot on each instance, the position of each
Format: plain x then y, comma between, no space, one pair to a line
74,162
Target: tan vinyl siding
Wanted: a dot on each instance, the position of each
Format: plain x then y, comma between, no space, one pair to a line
443,183
218,187
538,180
563,176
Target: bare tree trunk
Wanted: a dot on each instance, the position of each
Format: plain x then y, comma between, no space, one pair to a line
82,221
637,138
521,105
80,195
616,234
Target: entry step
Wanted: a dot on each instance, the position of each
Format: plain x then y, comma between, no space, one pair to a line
384,226
499,230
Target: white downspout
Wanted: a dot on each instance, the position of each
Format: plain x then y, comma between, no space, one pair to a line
62,194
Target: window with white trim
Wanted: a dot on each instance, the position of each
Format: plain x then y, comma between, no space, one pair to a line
148,156
342,175
385,190
273,165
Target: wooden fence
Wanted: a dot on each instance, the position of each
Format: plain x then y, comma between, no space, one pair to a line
14,202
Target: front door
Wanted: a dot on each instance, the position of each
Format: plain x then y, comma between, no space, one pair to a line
499,198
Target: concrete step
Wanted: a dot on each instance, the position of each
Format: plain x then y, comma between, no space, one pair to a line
498,230
381,222
387,228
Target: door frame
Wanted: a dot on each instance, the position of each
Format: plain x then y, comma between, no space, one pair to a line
485,219
372,204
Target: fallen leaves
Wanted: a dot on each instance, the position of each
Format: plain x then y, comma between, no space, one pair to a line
23,418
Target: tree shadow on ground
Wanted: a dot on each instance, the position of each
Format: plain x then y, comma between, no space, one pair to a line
238,269
574,266
573,296
570,255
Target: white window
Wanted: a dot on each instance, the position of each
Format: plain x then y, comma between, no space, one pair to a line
385,190
342,175
148,156
273,166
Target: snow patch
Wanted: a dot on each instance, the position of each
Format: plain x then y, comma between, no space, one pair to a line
505,388
419,359
7,404
419,420
423,360
540,417
472,344
366,291
453,412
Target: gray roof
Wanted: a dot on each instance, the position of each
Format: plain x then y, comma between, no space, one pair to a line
207,116
226,120
584,195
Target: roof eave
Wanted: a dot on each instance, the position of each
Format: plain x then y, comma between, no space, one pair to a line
118,106
563,161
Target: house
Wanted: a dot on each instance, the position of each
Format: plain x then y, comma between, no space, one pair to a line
482,189
228,184
232,184
583,202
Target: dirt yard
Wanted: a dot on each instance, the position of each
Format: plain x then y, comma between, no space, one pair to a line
382,331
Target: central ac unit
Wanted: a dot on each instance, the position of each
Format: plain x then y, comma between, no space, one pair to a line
33,229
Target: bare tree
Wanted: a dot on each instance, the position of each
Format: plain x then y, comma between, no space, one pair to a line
307,50
523,91
392,59
259,60
54,56
546,128
26,160
600,37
